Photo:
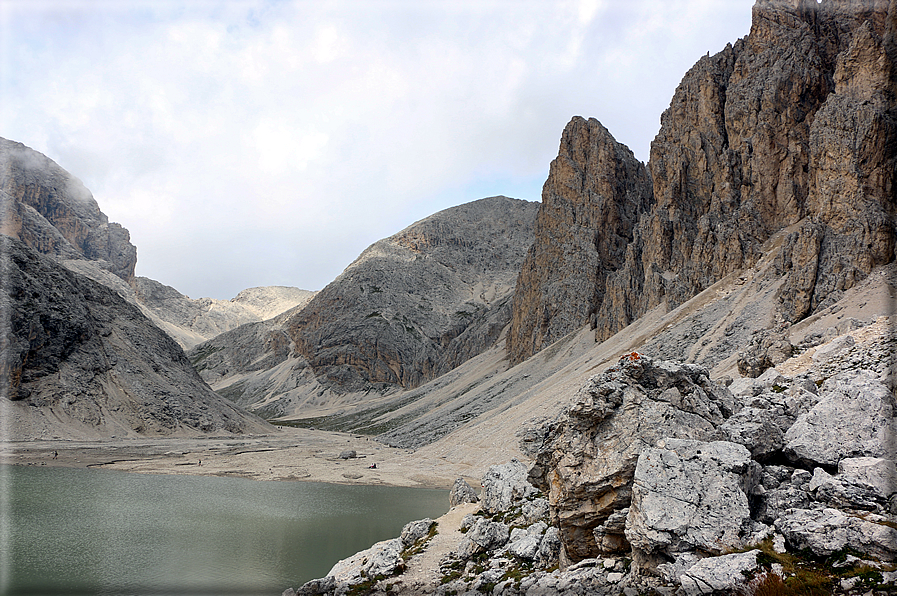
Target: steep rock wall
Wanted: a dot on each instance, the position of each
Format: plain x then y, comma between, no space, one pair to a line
791,128
595,192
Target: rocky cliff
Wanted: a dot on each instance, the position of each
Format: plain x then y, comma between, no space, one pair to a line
790,129
411,307
51,211
80,361
593,198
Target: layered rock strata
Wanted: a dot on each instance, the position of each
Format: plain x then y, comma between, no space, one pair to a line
80,361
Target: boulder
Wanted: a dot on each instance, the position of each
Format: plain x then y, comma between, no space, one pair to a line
348,454
525,543
505,484
550,547
756,429
484,535
588,456
877,473
414,531
610,536
690,495
833,348
830,530
854,418
726,574
844,492
462,493
382,559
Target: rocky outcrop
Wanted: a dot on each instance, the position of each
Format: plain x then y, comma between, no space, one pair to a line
52,212
595,193
79,361
788,131
585,460
687,500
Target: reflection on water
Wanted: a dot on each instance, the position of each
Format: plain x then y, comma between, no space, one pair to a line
71,531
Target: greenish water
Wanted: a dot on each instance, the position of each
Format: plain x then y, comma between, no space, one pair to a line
100,532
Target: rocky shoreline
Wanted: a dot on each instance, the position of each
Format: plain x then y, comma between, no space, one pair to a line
656,480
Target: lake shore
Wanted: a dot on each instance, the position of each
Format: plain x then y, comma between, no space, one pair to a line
287,454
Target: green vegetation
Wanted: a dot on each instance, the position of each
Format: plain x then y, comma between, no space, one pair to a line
201,355
804,574
421,545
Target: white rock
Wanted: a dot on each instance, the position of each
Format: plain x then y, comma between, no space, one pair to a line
778,543
381,559
691,495
614,577
820,478
878,473
504,484
828,531
718,574
854,418
827,351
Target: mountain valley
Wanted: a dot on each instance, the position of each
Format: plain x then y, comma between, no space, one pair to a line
727,309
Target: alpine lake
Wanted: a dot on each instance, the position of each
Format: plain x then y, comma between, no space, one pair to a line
102,532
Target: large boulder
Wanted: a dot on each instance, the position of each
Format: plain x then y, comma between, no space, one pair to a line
382,559
714,575
484,535
504,485
854,418
828,531
462,493
689,495
586,458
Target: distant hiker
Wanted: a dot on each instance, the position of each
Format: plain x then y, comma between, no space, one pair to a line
372,467
55,454
200,462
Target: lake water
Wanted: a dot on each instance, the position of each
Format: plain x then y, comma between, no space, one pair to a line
102,532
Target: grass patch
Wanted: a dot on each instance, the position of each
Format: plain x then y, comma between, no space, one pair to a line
804,574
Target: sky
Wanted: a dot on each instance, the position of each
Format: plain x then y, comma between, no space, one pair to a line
269,142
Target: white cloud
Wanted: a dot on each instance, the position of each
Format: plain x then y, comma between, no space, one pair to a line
262,142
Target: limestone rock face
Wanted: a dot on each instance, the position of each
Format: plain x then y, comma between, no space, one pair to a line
785,136
51,211
78,360
595,193
757,139
588,455
419,303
